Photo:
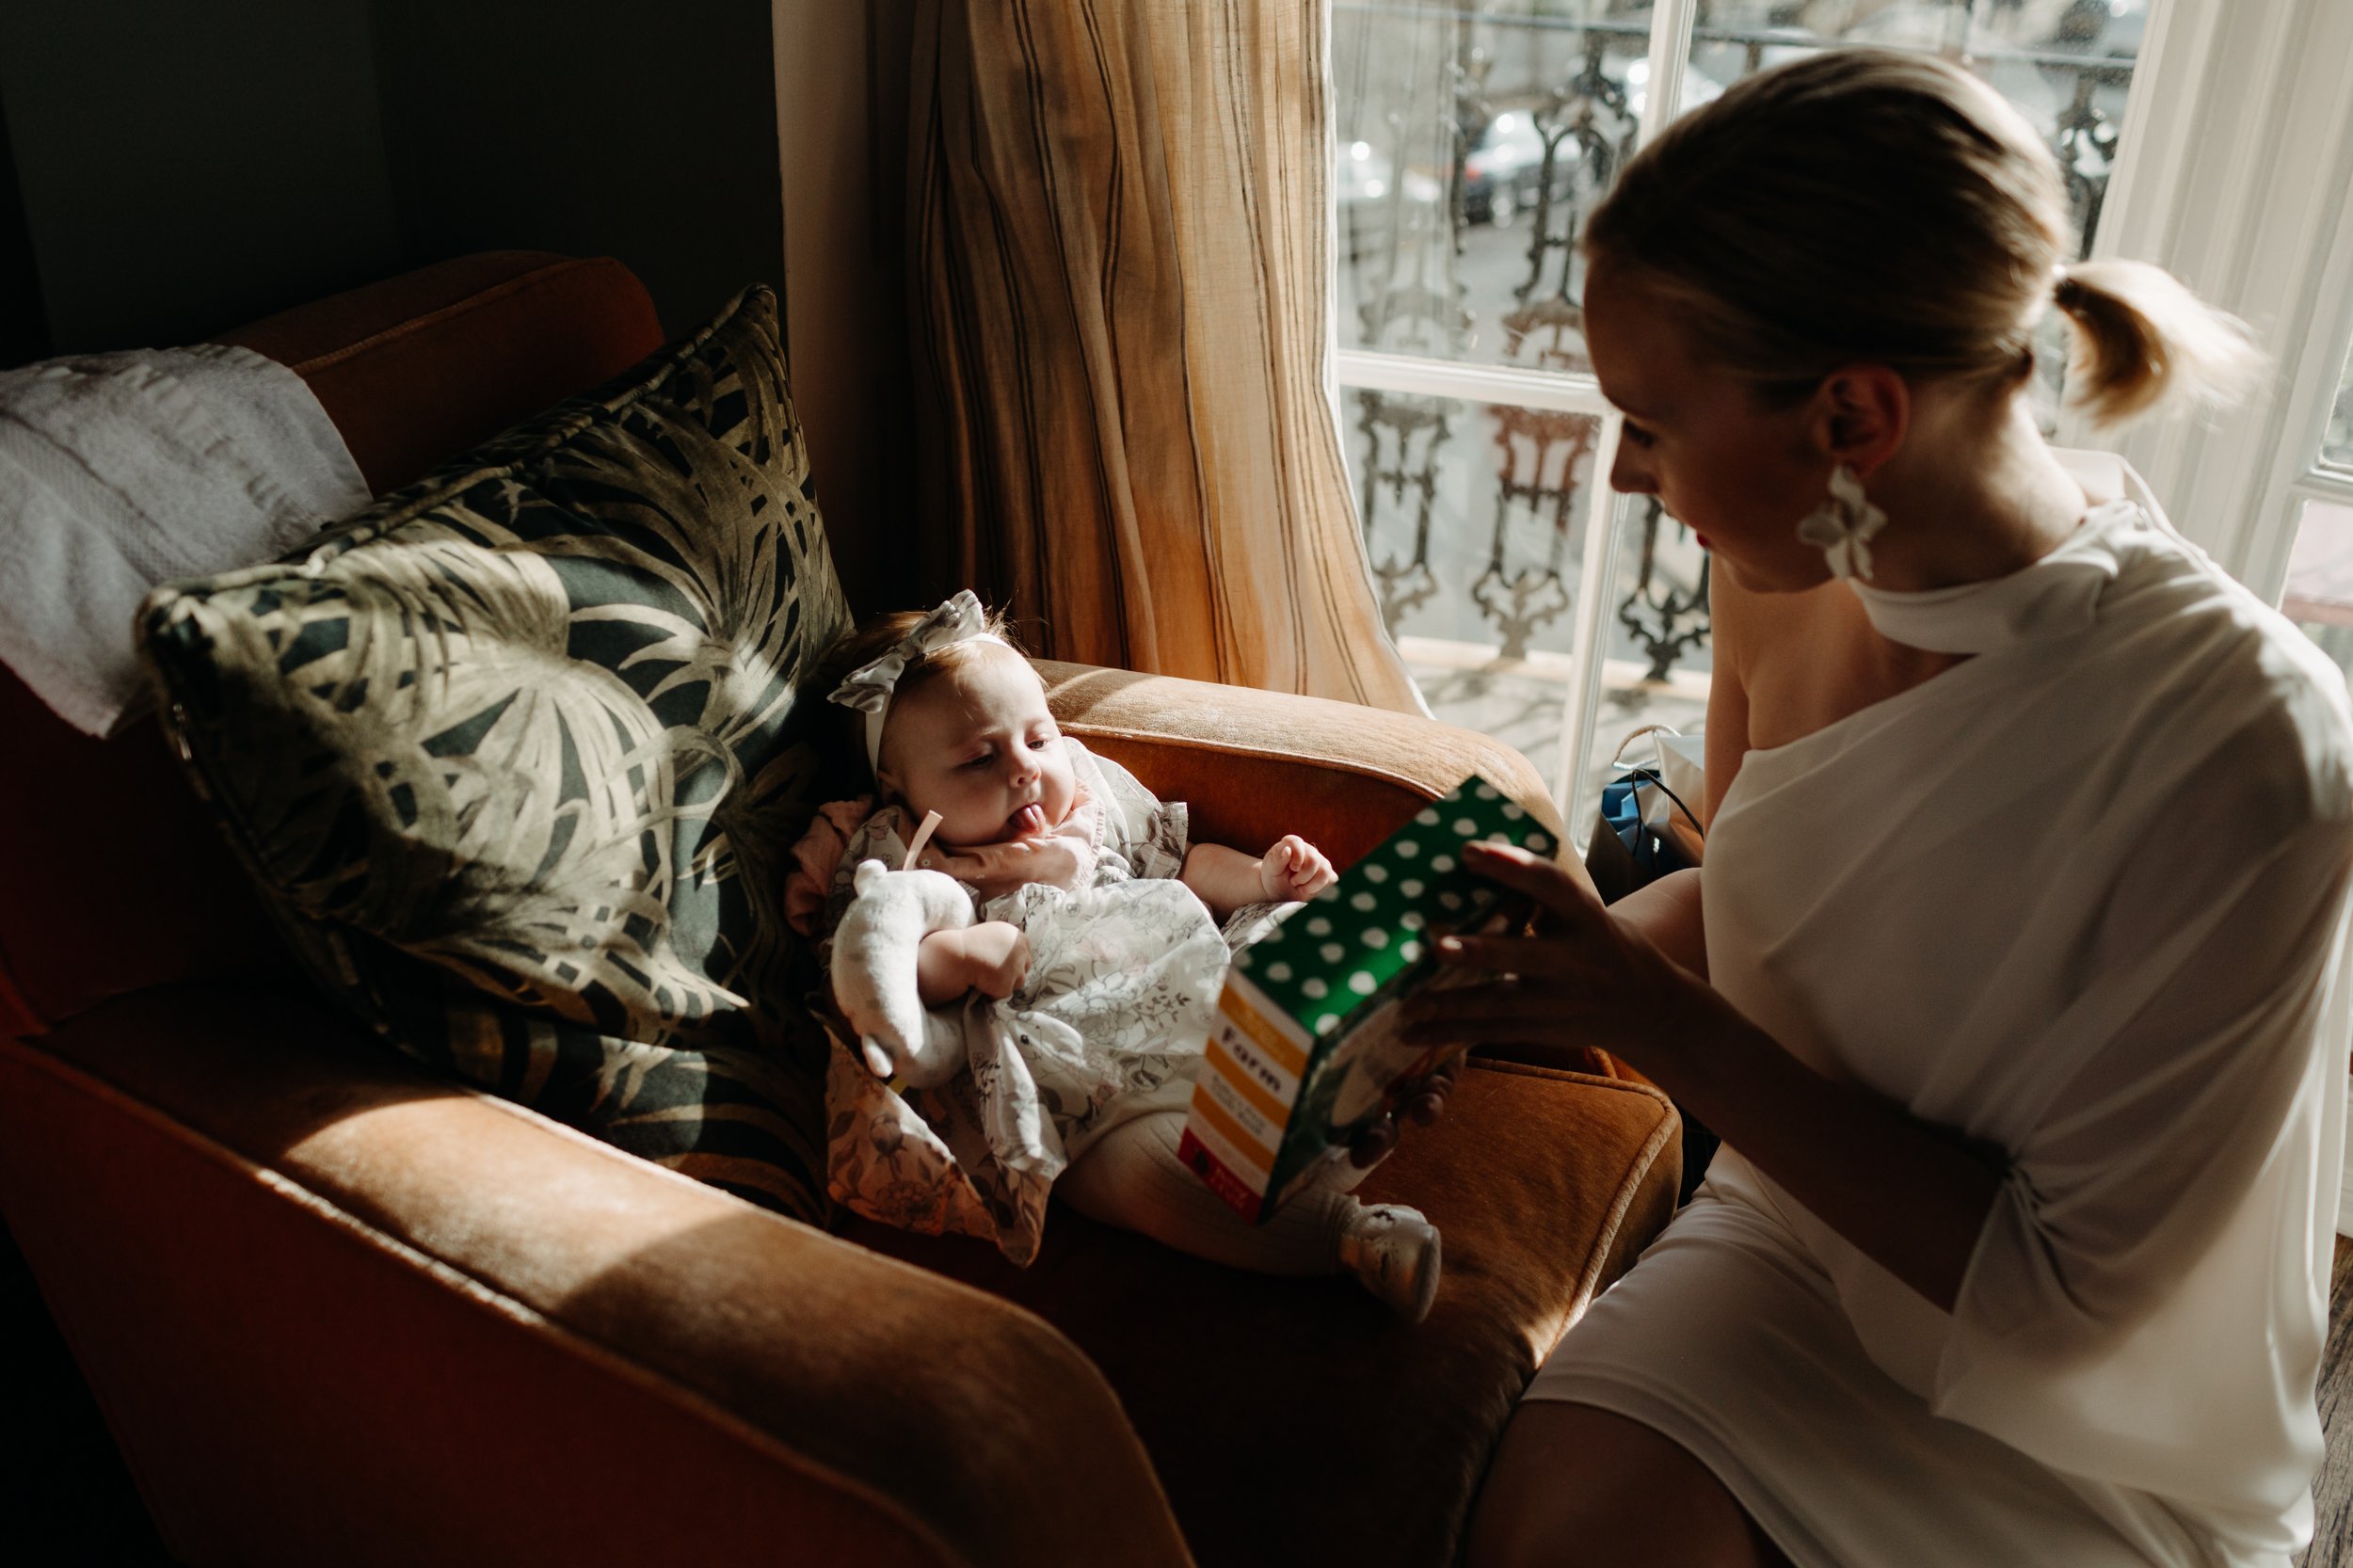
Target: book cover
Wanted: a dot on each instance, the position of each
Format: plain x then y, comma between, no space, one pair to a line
1305,1048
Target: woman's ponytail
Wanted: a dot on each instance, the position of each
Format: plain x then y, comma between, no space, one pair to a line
2143,341
1884,205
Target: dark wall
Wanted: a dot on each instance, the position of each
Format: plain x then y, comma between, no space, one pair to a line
23,319
184,168
596,127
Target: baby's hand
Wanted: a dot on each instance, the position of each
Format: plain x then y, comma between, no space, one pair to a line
1293,869
996,958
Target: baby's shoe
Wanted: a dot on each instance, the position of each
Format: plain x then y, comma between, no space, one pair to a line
1393,1252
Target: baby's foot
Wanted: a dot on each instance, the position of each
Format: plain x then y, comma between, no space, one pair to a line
1393,1252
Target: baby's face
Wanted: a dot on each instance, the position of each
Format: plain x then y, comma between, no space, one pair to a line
977,744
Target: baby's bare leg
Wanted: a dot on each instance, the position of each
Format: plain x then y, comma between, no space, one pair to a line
1132,1178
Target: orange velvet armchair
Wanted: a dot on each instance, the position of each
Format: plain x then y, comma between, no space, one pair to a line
336,1311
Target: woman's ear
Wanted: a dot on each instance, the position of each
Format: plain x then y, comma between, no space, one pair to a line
1860,416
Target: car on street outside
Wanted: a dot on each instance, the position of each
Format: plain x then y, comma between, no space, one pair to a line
1503,165
1368,194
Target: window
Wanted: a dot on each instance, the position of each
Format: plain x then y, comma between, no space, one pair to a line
2336,441
2251,202
1473,136
2317,593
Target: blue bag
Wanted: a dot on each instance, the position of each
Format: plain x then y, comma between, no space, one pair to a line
1630,844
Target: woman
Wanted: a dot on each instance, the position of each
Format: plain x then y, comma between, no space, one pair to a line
2003,979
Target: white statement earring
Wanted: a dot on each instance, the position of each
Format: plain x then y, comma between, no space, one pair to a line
1841,527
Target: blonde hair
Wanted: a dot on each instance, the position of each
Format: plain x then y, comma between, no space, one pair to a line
1867,205
879,635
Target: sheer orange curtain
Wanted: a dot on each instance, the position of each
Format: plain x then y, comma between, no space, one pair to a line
1119,241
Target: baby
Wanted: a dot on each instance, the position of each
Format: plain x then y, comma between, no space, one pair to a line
1088,983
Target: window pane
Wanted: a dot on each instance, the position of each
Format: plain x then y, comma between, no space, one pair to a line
2319,595
2067,65
2336,447
1474,517
1659,648
1473,135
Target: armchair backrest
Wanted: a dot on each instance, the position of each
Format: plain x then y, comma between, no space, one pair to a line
112,877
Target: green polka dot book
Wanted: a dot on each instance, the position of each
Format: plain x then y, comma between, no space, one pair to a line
1305,1050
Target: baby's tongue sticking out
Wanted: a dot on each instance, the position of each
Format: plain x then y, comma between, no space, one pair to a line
1030,820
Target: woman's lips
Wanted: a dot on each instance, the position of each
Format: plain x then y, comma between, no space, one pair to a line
1029,818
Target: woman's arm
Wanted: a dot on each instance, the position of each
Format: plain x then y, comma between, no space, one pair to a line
1727,735
1667,913
1912,1195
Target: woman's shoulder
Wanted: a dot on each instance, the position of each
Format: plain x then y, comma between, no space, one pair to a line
2211,658
1802,661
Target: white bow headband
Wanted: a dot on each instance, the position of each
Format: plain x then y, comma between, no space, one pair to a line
870,688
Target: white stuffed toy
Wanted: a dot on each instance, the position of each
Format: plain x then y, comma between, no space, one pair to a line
874,969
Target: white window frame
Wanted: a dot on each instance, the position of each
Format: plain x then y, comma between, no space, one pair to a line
2246,198
1563,392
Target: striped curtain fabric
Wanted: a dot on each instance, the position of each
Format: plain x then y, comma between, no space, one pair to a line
1119,263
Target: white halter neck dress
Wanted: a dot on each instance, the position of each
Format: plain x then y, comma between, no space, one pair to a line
2079,896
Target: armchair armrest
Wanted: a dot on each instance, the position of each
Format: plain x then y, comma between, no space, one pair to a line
360,1316
1252,765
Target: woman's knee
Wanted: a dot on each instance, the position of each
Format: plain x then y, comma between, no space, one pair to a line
1572,1484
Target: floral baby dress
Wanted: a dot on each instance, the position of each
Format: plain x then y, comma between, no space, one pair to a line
1125,964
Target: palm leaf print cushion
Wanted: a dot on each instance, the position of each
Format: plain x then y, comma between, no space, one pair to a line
520,754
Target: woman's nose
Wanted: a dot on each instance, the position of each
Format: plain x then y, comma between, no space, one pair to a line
1627,475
